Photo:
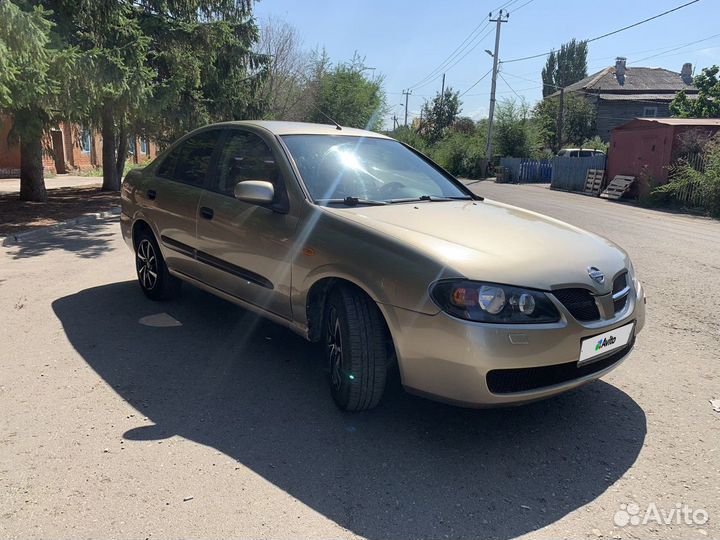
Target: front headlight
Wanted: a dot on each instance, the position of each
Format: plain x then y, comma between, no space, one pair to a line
493,303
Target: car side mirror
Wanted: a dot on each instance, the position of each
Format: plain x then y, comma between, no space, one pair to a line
255,192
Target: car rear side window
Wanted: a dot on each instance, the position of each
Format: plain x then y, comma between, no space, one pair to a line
189,162
245,156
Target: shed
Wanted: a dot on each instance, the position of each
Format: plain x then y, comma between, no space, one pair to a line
650,145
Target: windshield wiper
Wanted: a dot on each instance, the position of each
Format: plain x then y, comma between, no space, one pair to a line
432,198
352,201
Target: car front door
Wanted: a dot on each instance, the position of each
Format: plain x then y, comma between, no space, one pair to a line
172,196
245,249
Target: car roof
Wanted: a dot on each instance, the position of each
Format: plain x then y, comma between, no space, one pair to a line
279,127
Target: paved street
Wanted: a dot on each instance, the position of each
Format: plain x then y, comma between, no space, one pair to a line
127,418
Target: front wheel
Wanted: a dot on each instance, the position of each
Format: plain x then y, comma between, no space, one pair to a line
355,339
152,273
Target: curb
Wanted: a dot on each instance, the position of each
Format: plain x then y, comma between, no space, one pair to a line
21,237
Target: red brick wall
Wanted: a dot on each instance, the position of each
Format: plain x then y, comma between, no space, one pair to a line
9,150
74,158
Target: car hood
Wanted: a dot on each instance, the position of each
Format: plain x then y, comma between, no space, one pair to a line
495,242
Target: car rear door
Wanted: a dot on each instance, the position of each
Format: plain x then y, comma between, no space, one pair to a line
245,249
172,197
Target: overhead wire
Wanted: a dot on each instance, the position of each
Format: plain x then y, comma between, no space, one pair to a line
607,34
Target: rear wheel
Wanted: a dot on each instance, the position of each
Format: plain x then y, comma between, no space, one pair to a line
153,276
355,340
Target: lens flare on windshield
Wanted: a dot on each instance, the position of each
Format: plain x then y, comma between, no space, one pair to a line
349,160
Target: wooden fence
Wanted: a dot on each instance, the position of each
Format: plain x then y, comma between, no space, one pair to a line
562,172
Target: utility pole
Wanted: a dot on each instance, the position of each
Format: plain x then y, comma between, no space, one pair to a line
442,92
561,112
499,21
406,93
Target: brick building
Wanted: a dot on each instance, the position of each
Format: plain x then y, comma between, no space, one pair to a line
69,148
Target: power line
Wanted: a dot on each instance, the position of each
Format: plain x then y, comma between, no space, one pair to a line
508,85
675,49
525,4
459,59
435,73
609,33
476,82
444,65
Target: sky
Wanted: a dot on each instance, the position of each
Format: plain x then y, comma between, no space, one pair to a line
406,41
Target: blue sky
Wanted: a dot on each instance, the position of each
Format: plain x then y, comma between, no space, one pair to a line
406,40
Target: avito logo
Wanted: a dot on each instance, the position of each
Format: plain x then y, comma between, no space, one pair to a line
604,342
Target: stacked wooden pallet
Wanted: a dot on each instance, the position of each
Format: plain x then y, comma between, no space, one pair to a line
594,181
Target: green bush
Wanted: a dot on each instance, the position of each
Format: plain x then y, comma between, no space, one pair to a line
704,184
461,154
596,143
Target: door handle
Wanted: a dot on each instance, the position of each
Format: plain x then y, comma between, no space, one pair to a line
206,212
151,193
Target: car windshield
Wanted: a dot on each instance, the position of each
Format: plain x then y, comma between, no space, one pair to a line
338,168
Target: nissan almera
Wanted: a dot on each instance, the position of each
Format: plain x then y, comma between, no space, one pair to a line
355,240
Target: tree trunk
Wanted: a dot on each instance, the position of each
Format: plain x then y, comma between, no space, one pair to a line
32,180
110,177
121,153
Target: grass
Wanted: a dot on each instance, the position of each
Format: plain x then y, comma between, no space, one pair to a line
98,171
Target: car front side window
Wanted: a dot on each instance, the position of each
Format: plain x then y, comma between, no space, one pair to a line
189,162
245,156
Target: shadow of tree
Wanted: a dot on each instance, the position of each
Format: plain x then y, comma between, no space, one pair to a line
411,468
87,241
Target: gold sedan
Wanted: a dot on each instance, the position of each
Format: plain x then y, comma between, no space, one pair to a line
351,238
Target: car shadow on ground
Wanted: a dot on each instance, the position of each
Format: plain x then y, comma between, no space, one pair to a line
411,468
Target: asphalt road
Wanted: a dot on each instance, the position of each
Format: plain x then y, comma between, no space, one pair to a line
126,418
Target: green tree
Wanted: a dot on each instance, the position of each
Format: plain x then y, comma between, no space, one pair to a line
707,103
347,95
409,136
464,124
205,68
111,74
513,131
440,113
160,67
32,76
578,121
567,66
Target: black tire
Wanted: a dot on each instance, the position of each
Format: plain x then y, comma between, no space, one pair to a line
356,349
153,276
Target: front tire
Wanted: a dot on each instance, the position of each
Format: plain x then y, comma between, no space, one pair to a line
153,276
355,340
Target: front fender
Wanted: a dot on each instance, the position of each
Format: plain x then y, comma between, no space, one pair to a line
391,272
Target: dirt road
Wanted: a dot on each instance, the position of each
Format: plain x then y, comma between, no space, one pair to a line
125,418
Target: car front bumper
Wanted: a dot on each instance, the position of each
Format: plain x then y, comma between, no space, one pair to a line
449,359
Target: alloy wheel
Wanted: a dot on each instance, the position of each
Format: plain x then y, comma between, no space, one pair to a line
146,261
